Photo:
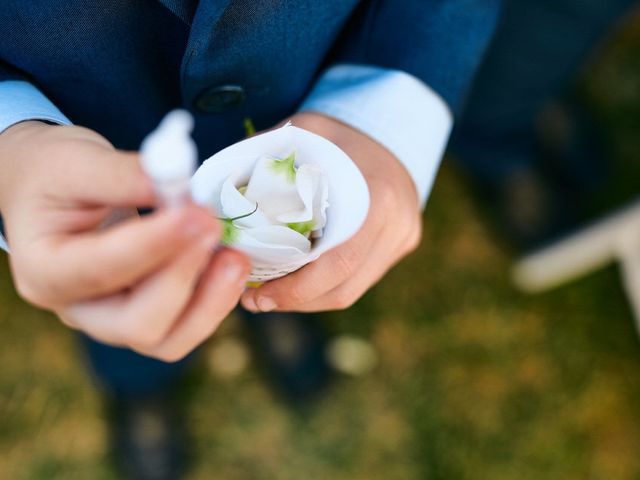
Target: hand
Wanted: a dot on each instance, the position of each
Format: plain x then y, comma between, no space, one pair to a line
153,284
391,231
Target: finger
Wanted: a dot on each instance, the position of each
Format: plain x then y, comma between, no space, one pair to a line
90,317
110,177
218,293
384,255
142,317
381,259
77,267
315,279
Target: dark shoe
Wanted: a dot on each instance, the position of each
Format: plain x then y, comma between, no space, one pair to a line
291,349
147,438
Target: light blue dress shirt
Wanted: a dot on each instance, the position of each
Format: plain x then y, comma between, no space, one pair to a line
392,107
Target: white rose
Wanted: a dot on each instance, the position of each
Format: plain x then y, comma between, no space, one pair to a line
273,192
281,209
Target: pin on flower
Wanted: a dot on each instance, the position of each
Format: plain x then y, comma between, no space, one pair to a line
229,230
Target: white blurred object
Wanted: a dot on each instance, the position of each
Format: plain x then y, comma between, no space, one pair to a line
351,355
169,156
229,357
616,237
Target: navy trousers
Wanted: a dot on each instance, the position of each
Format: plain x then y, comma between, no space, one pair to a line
124,373
537,51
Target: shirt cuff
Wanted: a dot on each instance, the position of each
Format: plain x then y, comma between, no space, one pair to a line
392,107
20,101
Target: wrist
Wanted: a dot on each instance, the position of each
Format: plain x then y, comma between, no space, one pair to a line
14,141
21,127
327,127
373,159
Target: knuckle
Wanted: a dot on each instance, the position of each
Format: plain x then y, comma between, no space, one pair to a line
35,291
140,336
23,281
67,320
346,259
169,356
95,279
29,292
297,295
344,299
414,238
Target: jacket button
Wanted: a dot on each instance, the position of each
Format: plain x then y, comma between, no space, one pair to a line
219,99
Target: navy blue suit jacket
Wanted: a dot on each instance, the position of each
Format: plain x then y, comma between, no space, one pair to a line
116,66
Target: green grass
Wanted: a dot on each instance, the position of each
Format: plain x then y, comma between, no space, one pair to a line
476,381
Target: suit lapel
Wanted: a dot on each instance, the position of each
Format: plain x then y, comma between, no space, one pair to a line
183,9
208,12
205,18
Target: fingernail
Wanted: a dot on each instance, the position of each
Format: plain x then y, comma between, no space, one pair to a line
249,303
266,304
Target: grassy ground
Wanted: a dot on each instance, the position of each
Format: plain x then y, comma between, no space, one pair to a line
475,381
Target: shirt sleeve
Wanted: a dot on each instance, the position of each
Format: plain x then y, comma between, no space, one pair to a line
20,101
392,107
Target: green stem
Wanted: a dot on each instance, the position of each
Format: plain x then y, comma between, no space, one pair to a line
249,128
241,216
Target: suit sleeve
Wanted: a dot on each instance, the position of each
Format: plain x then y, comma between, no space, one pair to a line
440,42
20,100
401,70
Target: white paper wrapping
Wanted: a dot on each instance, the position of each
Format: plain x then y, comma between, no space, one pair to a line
317,159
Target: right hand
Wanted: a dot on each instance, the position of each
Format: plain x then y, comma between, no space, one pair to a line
152,283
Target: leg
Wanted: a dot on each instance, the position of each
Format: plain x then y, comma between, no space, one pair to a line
539,47
147,432
124,373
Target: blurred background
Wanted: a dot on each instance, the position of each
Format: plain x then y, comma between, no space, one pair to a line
474,380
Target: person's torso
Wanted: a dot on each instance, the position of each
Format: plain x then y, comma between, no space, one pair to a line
118,66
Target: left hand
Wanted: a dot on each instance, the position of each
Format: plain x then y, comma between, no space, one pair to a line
391,231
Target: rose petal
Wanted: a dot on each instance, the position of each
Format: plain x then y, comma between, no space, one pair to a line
234,204
273,243
320,205
272,189
311,184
